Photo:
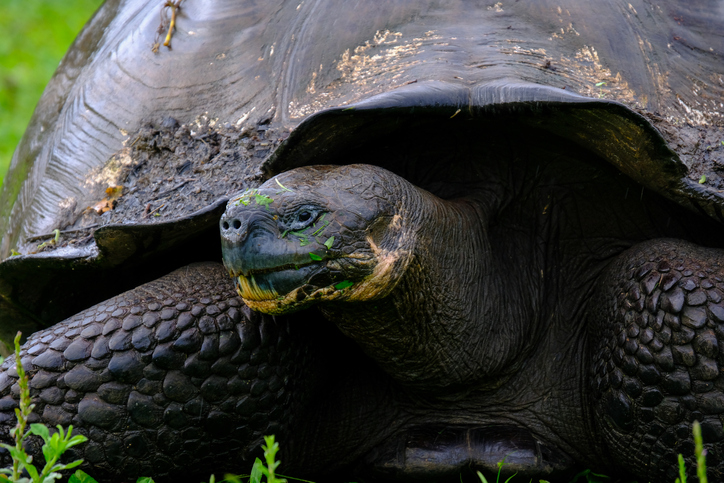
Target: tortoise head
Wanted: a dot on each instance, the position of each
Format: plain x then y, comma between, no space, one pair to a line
317,233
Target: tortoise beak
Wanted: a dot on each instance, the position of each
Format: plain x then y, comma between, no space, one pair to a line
264,265
245,237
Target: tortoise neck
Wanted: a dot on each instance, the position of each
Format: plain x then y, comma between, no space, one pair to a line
448,323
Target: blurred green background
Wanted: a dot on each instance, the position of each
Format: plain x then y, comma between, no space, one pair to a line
34,35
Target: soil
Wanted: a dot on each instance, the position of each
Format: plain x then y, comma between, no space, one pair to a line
700,148
167,172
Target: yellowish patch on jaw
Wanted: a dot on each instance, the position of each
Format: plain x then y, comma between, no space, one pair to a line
248,289
289,303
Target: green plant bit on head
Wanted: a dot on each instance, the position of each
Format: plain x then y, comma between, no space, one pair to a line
303,238
702,180
284,188
343,285
321,229
263,200
245,197
329,242
321,218
315,257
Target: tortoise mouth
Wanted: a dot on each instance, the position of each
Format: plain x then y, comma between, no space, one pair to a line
274,283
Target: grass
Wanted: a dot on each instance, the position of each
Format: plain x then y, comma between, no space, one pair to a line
53,448
35,35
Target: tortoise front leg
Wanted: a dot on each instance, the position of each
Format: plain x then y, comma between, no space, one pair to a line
657,327
174,376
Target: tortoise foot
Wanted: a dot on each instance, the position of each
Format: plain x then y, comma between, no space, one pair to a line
658,324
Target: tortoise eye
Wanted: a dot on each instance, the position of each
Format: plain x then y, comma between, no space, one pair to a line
303,218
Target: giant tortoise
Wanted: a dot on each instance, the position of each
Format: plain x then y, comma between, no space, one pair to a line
454,233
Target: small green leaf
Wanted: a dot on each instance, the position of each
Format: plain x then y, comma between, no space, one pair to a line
329,242
145,479
14,253
40,430
263,200
256,471
81,476
315,257
702,180
343,285
599,84
69,466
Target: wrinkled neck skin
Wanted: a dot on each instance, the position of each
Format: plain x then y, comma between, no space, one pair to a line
454,320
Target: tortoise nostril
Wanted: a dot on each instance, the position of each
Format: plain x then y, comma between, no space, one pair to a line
225,225
237,224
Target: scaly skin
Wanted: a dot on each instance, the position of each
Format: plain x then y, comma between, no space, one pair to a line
174,376
658,324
